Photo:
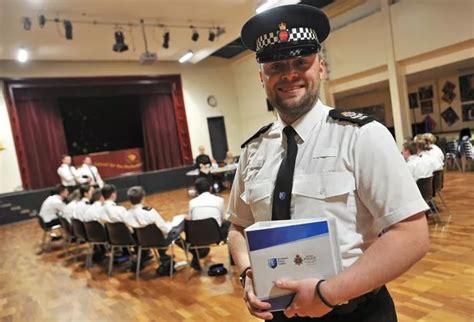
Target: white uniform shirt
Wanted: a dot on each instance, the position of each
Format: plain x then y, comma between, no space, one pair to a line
436,165
139,216
68,175
437,153
207,205
419,167
86,172
111,213
51,208
81,208
92,213
69,211
354,174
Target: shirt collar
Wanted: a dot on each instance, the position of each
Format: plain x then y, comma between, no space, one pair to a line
412,157
109,202
305,124
138,205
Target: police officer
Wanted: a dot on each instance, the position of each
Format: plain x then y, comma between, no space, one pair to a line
316,161
89,174
68,174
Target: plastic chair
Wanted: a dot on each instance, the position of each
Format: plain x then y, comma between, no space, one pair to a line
119,236
438,184
425,185
151,237
79,232
452,154
202,233
96,235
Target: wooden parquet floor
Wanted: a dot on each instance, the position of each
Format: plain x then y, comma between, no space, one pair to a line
53,287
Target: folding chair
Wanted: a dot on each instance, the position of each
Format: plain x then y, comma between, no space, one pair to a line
68,232
46,231
438,183
425,185
151,237
96,235
202,233
119,236
452,154
79,232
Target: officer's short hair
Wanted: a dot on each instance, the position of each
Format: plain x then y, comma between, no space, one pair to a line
108,190
202,185
421,145
135,194
96,195
83,189
411,147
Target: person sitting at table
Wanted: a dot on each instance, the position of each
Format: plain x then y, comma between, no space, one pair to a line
229,175
203,162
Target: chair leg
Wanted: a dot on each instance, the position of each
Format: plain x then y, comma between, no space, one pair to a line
436,215
172,259
444,203
111,260
137,271
186,250
43,240
89,256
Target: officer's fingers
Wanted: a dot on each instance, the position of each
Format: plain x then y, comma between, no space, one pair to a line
256,303
290,311
265,315
249,273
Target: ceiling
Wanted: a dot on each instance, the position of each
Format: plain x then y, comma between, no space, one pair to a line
94,42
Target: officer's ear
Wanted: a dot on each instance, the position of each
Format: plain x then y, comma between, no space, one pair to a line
260,74
322,67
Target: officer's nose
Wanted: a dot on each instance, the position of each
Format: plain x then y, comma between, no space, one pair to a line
289,72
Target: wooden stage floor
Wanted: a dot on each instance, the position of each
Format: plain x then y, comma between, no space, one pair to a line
52,287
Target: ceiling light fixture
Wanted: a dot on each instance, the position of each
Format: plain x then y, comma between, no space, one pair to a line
68,29
186,57
146,57
166,39
119,45
212,35
195,35
22,55
26,21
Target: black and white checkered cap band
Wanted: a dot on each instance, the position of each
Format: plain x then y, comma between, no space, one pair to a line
295,35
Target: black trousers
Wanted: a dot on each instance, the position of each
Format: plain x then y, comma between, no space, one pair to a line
52,223
375,308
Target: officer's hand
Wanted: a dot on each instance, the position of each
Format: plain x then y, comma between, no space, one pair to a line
305,302
256,307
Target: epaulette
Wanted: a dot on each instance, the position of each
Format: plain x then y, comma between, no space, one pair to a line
147,208
350,116
256,135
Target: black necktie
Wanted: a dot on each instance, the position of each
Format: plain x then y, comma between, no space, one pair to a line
92,172
284,181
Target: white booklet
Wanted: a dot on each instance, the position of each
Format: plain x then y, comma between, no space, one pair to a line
291,249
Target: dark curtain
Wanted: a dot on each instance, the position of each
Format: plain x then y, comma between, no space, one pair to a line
160,133
44,140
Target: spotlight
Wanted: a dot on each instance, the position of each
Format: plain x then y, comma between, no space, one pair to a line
195,35
41,21
166,40
119,45
26,21
68,29
212,35
22,55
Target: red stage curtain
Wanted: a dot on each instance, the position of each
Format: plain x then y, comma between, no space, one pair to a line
44,140
160,133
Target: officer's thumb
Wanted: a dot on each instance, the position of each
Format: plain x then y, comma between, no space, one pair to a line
286,284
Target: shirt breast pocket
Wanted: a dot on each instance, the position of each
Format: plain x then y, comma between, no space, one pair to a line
324,194
258,196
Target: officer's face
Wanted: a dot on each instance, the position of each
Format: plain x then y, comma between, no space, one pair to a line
292,85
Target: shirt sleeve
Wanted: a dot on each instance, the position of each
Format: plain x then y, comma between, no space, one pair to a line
239,212
162,225
383,181
65,174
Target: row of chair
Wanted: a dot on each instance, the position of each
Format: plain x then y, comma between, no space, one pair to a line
199,234
429,188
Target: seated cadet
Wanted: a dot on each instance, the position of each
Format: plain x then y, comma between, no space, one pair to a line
434,162
70,209
88,173
53,206
419,168
93,212
68,174
207,205
141,216
110,212
86,192
432,148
